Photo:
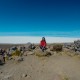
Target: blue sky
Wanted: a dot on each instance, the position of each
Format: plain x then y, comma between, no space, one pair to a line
40,18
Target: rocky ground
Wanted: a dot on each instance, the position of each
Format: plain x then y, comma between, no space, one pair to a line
64,65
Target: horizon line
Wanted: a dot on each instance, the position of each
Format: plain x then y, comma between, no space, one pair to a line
34,39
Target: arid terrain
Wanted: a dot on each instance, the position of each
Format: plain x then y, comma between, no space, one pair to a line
62,65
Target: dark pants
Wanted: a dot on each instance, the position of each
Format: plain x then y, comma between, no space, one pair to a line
42,48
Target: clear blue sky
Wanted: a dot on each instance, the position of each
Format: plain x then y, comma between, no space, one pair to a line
32,17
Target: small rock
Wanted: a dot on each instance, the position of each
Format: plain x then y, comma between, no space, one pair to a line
48,53
10,58
1,60
1,72
28,76
24,75
18,59
25,54
7,77
31,53
28,46
51,48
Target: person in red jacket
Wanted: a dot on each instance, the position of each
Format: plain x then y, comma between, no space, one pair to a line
43,44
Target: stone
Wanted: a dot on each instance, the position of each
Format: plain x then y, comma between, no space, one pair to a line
40,53
24,75
28,46
25,54
77,45
31,53
18,59
1,72
48,53
1,60
51,48
73,46
7,77
10,58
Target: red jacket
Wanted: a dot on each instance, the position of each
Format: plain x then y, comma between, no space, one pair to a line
43,43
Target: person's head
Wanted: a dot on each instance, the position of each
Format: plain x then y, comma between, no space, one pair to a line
43,38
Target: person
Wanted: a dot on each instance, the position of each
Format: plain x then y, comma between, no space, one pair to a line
43,44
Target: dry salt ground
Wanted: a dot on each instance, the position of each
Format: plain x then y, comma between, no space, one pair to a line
55,67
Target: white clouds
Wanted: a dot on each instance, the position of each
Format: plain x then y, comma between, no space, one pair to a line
33,39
